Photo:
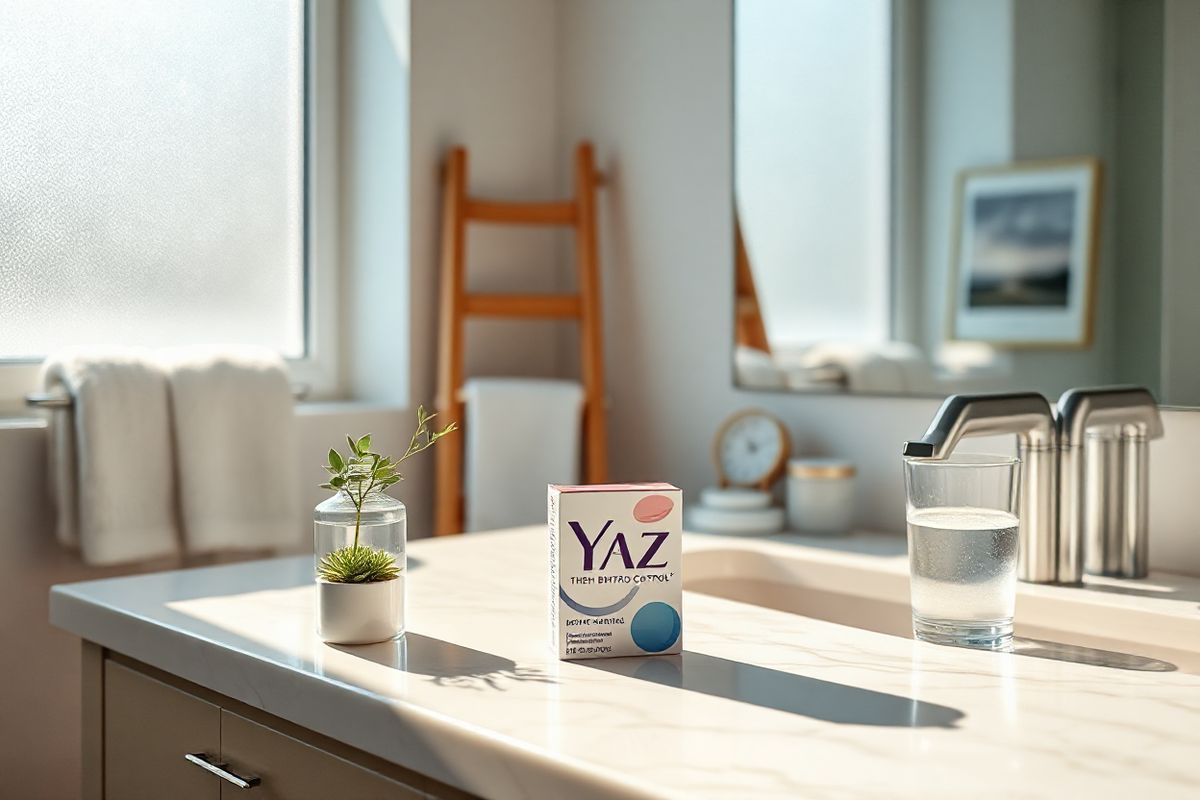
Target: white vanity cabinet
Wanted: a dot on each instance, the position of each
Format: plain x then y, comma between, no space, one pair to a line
149,735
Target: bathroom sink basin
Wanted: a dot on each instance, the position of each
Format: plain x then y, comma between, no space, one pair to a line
862,581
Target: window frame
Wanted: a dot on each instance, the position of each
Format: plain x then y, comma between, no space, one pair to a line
906,180
317,372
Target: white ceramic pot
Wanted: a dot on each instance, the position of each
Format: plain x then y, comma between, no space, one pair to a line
360,613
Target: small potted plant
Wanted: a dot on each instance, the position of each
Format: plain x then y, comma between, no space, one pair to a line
359,543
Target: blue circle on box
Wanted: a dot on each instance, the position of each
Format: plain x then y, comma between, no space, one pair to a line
655,627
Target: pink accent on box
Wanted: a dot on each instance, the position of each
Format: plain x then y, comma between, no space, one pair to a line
652,508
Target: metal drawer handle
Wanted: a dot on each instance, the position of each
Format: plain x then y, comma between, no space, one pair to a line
219,769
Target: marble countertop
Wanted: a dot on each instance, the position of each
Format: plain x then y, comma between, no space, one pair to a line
762,703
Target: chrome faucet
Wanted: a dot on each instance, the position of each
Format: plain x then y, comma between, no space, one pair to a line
1028,415
1084,474
1103,474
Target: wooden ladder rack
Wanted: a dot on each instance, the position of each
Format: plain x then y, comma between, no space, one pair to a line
458,304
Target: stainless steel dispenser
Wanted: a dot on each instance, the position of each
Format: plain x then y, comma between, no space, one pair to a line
1104,483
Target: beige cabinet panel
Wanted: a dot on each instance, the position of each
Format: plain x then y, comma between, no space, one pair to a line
290,769
148,729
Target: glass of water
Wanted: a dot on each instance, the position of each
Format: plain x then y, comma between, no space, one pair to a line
962,548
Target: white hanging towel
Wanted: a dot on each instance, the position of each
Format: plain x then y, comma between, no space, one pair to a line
111,469
235,448
522,434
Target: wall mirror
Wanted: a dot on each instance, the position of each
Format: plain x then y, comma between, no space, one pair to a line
936,196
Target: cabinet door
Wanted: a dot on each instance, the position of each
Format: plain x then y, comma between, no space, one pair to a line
289,769
148,729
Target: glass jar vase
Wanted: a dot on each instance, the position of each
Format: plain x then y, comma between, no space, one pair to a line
363,545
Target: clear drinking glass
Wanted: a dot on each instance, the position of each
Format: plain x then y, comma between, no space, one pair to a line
962,548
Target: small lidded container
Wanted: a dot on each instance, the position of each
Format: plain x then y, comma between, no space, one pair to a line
820,495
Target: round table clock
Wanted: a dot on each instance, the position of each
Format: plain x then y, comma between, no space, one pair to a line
751,450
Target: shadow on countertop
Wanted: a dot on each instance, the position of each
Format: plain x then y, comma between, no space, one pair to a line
782,691
1078,654
446,662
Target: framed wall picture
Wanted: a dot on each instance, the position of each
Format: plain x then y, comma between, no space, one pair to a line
1024,255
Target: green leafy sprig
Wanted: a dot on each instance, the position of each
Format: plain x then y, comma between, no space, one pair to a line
358,474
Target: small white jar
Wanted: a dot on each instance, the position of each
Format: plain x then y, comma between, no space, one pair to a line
820,495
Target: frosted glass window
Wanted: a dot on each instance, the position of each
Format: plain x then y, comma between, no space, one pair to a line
812,133
151,174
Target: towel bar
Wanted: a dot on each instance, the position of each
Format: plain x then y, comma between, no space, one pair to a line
54,400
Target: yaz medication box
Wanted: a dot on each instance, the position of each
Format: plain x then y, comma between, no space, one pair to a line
616,586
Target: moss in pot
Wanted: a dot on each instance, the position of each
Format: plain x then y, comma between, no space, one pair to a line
360,535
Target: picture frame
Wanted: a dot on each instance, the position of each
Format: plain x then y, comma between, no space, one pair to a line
1024,254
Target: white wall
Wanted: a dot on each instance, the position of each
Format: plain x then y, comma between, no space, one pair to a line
420,76
485,77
